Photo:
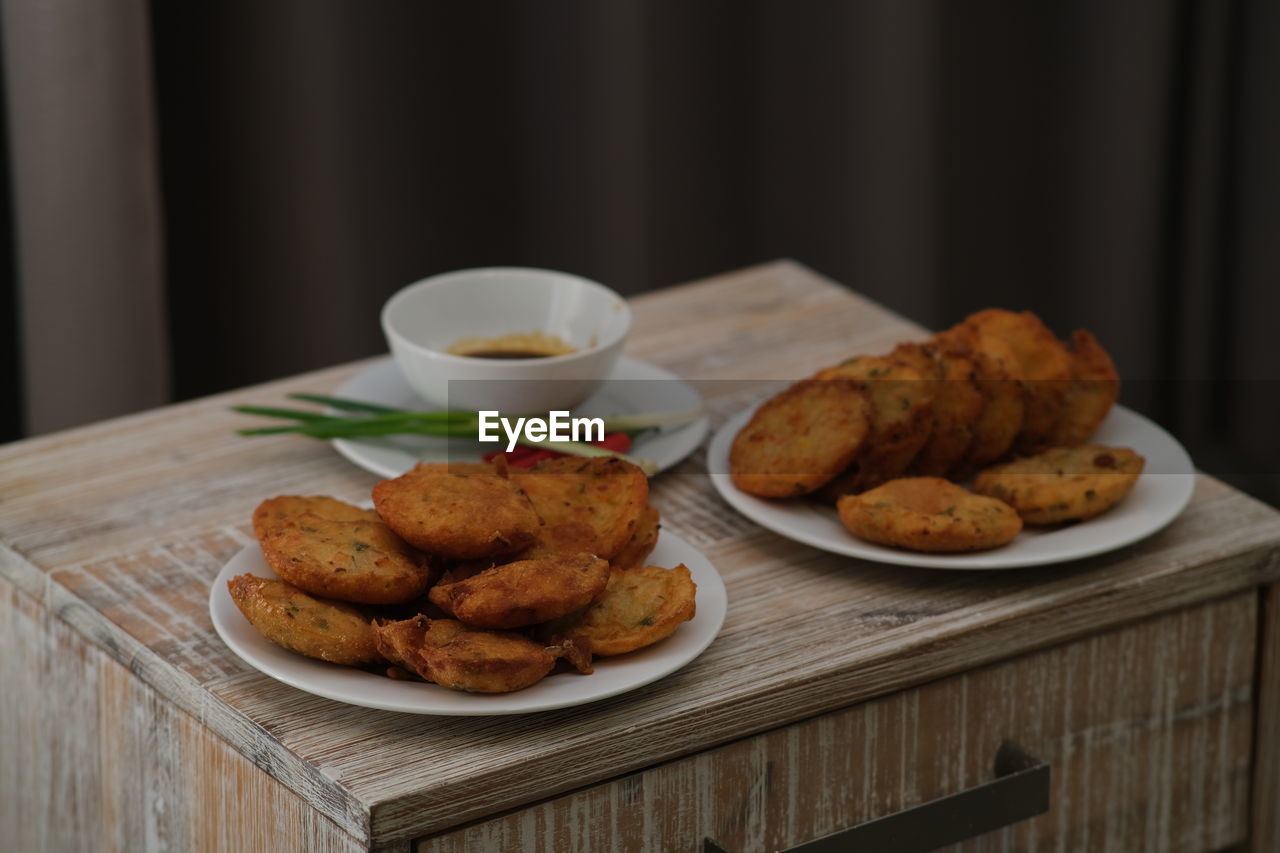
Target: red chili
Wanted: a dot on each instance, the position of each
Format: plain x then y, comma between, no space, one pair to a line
526,457
533,458
618,442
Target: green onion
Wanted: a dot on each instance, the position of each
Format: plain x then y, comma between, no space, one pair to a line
274,412
378,420
655,420
344,404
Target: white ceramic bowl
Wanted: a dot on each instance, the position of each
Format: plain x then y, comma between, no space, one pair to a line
423,319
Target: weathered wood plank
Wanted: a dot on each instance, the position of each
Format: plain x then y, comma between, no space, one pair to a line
1147,729
185,693
1266,769
91,755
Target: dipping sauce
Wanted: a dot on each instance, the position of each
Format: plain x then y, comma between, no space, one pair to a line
516,345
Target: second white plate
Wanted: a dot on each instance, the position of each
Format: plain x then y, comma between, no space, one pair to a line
634,387
1157,498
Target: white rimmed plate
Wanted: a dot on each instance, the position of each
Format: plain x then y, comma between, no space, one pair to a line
612,675
634,387
1157,498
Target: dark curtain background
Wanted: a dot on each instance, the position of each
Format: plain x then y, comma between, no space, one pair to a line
1108,165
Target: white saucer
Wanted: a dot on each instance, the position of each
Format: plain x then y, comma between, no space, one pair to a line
1157,498
613,675
634,387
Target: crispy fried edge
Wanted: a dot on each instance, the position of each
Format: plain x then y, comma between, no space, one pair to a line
673,613
1051,510
412,570
893,442
1094,388
477,600
514,534
881,516
780,484
632,483
268,619
402,643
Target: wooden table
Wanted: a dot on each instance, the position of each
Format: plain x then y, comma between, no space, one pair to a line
838,691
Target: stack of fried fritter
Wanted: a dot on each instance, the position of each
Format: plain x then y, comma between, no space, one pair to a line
501,573
881,436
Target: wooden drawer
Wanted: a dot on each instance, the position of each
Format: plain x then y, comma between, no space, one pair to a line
1147,729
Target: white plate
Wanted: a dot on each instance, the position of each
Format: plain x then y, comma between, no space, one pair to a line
612,675
1159,495
634,387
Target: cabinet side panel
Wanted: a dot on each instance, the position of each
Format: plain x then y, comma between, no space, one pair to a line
91,758
1266,769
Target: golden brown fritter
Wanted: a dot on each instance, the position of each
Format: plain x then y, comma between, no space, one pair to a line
1063,483
1093,390
640,606
844,483
605,493
275,514
524,592
642,541
957,404
462,514
1003,395
901,415
554,540
1044,367
335,550
463,658
928,514
287,616
801,438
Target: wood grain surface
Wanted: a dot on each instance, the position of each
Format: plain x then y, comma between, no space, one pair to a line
117,529
1147,730
92,758
1266,769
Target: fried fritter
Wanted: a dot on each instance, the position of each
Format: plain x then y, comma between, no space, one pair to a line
463,569
463,658
901,415
524,592
287,616
404,610
640,606
928,514
605,493
275,514
800,438
1044,364
1063,483
554,540
1093,390
334,550
642,542
844,483
463,514
957,404
1003,395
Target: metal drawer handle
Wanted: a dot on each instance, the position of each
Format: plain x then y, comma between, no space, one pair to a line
1019,791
